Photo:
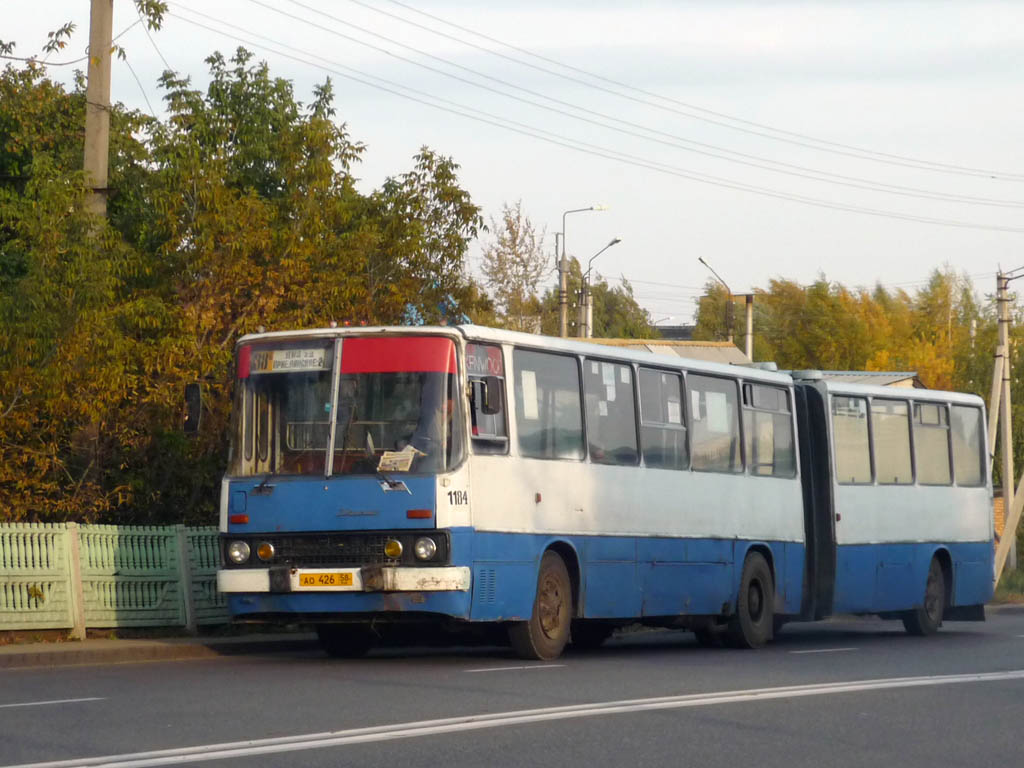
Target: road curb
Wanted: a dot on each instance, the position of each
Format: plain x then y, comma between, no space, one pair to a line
134,651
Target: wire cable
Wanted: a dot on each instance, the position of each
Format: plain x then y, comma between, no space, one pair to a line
791,137
578,146
42,63
675,141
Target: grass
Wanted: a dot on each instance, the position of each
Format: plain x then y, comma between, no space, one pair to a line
1011,587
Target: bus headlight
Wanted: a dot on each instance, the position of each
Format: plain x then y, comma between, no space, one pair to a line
265,551
238,552
425,548
393,548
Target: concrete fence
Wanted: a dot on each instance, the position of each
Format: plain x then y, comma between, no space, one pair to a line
69,576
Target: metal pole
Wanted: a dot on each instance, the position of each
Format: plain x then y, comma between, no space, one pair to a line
590,311
1005,410
749,345
97,106
582,312
728,307
563,288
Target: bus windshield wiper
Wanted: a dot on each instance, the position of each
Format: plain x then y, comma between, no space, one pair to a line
264,488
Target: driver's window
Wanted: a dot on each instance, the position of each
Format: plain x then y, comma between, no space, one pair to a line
486,371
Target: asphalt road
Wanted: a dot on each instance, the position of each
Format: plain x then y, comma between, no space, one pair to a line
841,693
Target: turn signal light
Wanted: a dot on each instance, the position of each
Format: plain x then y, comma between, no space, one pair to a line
419,514
241,519
393,548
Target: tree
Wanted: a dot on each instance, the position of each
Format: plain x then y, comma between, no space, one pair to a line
237,211
616,312
514,264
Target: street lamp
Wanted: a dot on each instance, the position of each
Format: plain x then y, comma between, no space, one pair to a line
587,308
563,271
728,311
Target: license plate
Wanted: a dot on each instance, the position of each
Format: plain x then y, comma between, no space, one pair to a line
325,579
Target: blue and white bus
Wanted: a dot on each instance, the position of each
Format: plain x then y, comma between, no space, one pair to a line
467,476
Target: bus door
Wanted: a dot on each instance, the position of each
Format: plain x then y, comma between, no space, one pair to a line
819,527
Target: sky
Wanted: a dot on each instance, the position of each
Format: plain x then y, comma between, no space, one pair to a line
866,141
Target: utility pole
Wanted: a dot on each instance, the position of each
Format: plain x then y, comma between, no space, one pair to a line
563,289
749,340
1007,551
97,106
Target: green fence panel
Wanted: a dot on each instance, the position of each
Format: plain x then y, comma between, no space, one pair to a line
35,582
209,605
130,576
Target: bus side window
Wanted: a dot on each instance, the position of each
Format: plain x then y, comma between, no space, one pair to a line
487,409
850,433
931,444
715,421
968,452
890,430
768,431
549,411
611,413
662,420
487,406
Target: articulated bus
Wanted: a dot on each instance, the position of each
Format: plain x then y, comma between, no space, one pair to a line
464,477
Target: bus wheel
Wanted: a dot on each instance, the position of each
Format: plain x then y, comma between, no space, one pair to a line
752,625
544,636
589,634
345,641
927,619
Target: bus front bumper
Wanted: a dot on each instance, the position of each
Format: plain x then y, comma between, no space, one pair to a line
369,578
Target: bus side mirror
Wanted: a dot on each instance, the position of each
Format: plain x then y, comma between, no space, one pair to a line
193,407
490,403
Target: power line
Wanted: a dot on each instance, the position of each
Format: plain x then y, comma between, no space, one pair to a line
167,67
578,146
674,140
42,63
790,137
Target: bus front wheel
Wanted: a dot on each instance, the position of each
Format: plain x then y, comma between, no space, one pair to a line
544,636
752,624
927,619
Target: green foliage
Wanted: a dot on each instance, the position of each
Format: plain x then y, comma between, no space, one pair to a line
237,211
514,263
616,313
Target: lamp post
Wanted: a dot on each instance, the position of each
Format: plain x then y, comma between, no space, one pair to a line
587,313
563,272
728,311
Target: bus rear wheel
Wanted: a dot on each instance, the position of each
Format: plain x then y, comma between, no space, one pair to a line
927,619
753,622
345,641
544,636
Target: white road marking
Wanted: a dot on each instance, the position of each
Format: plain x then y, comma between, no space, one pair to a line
53,701
512,669
209,752
826,650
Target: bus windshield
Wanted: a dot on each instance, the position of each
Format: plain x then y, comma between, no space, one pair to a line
394,408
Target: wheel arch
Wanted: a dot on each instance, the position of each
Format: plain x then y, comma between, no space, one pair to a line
946,563
763,549
766,552
570,557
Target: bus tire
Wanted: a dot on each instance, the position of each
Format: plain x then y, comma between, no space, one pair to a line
544,636
752,624
345,641
927,619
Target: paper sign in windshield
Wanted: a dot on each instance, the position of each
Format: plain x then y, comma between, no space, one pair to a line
398,461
